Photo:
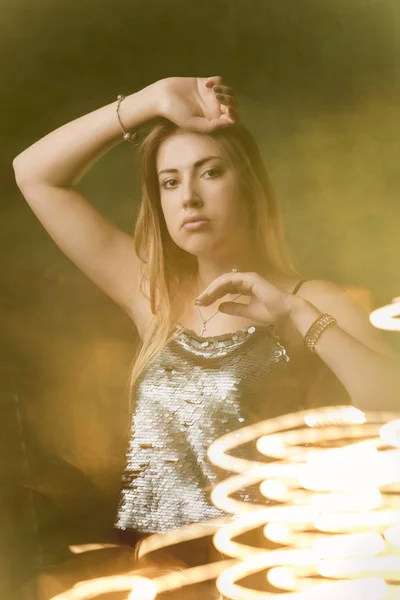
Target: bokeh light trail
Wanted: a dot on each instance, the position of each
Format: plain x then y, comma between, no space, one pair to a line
330,480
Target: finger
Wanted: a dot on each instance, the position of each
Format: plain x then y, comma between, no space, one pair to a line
237,309
225,120
227,100
223,89
216,289
236,284
233,114
211,81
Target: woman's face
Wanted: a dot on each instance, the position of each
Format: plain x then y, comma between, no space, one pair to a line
200,182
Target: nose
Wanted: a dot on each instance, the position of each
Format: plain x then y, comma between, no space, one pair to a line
190,195
192,202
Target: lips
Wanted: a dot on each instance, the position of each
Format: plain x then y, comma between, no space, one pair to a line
195,225
194,220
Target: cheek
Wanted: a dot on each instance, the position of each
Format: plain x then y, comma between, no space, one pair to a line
167,209
235,207
171,218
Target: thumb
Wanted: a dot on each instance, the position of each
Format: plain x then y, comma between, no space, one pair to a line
204,125
237,309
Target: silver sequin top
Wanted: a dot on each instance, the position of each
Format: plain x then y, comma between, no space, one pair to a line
195,390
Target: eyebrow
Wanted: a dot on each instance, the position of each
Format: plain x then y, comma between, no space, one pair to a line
197,164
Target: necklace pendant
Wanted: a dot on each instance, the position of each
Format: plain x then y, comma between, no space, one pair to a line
203,328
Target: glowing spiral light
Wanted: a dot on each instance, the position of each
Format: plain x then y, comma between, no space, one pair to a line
387,317
140,588
330,480
332,504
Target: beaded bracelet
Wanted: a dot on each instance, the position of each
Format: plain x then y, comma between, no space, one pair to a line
316,329
128,137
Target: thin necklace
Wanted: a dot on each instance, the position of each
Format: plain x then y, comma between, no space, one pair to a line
205,321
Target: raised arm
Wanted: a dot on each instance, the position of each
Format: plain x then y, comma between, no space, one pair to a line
46,173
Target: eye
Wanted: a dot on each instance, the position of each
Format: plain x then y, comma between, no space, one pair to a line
169,183
164,185
213,170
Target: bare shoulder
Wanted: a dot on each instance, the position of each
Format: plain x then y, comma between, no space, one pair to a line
349,305
328,295
322,290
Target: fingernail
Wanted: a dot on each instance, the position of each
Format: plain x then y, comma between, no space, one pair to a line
220,97
217,88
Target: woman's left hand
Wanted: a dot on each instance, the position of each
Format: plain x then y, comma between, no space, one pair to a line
268,305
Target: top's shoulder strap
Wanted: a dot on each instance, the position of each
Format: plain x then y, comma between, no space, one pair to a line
298,286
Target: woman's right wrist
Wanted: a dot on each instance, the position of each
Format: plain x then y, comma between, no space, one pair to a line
62,157
140,107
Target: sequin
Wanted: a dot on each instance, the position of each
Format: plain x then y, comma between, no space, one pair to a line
216,384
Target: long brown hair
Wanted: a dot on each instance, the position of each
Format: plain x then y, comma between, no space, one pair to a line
165,266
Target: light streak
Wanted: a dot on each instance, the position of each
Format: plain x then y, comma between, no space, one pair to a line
390,433
345,490
329,509
387,317
82,548
194,531
140,588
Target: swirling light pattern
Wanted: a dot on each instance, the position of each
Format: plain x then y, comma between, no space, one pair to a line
387,317
329,480
141,588
332,506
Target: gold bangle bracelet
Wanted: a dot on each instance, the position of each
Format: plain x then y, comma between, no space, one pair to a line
316,330
128,137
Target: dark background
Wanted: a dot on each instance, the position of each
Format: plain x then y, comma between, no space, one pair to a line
318,85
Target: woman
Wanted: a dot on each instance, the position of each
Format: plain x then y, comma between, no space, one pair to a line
206,368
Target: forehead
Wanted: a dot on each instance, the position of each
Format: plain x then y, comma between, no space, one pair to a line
185,148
